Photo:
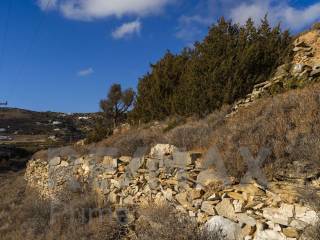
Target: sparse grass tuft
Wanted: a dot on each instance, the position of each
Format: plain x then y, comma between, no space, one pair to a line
163,222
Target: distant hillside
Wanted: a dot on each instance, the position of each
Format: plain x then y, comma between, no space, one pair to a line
65,127
24,131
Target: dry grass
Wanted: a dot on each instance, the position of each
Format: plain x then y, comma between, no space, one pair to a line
127,143
25,216
316,26
162,222
184,133
287,124
197,133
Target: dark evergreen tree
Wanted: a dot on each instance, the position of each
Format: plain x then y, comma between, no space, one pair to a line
221,69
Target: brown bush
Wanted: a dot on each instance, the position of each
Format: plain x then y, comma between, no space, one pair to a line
25,216
316,26
197,133
162,222
287,124
128,142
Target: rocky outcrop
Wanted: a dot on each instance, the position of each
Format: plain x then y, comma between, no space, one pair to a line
304,69
243,211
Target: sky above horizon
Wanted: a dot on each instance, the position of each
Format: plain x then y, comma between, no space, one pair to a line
63,55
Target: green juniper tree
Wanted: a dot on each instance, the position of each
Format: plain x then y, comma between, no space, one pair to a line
222,68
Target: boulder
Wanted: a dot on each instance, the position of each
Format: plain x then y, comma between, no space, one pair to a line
135,164
209,177
230,229
269,235
168,194
298,68
276,216
225,208
315,73
306,215
297,224
238,205
290,232
282,215
235,196
55,161
247,231
194,194
182,200
208,208
244,218
161,150
125,159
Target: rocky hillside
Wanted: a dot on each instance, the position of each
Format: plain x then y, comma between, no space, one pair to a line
253,175
303,70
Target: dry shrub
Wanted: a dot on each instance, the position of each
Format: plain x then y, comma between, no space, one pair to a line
312,233
25,216
316,26
163,222
127,143
197,134
287,124
184,133
191,135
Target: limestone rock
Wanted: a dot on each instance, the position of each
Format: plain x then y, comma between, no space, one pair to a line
274,215
269,235
247,231
297,224
290,232
282,215
182,199
161,150
244,218
306,215
55,161
229,228
238,205
225,208
209,177
125,159
208,208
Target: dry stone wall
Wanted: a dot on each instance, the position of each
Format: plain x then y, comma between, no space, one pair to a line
243,211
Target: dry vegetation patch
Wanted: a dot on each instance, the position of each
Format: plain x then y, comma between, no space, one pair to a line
287,124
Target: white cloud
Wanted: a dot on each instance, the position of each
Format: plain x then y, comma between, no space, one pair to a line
193,25
93,9
127,29
278,11
85,72
47,4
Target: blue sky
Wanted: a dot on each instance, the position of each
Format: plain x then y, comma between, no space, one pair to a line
62,55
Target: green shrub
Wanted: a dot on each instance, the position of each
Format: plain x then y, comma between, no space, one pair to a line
220,69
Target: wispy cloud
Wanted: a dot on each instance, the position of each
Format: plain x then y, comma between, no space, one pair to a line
192,25
278,11
46,5
85,72
93,9
127,30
